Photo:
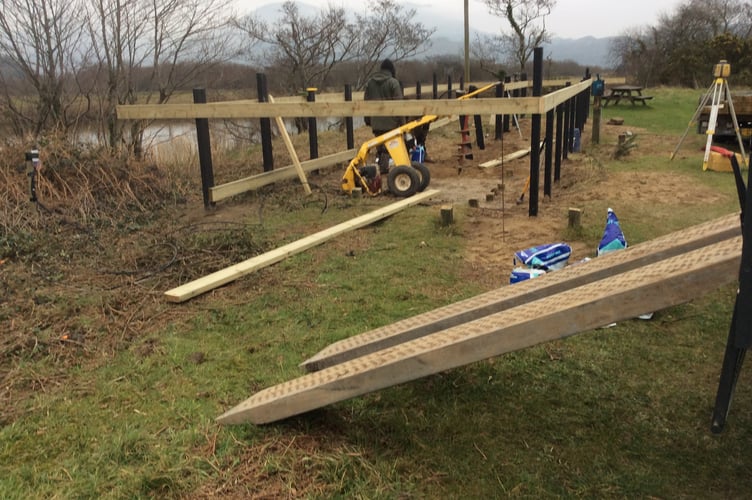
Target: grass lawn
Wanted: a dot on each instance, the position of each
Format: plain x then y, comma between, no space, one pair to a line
612,413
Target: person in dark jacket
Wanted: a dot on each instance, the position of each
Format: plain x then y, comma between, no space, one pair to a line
382,86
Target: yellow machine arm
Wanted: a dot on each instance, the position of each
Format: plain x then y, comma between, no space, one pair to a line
394,141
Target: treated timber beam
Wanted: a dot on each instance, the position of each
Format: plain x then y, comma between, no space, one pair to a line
291,150
410,91
509,157
227,275
506,297
226,190
231,110
407,107
646,289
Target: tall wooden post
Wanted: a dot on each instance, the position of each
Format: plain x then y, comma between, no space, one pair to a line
435,86
572,122
535,133
559,141
567,137
313,135
548,152
505,126
596,135
204,150
499,121
265,124
349,120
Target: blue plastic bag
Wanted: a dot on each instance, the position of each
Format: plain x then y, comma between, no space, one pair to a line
548,257
613,237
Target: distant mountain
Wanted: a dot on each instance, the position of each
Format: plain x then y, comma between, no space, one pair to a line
448,39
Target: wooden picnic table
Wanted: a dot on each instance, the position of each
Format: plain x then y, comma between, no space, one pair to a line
632,93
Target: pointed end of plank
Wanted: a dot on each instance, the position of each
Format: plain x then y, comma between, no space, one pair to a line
311,364
243,413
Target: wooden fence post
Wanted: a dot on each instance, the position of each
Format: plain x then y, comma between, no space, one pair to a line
559,141
499,119
548,153
204,150
505,125
265,124
567,138
349,120
313,136
535,133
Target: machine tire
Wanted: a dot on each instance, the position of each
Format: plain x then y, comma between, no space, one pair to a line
425,176
403,181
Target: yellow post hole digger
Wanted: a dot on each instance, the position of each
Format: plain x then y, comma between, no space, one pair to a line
405,177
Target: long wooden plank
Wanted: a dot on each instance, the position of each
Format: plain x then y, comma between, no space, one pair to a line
656,286
408,107
506,158
507,297
227,275
239,186
291,150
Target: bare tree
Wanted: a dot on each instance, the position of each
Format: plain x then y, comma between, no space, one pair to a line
41,42
150,48
387,30
306,49
527,19
685,44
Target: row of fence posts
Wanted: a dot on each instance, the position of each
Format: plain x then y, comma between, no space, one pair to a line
569,116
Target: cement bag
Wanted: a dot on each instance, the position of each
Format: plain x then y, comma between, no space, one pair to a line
524,273
548,257
613,237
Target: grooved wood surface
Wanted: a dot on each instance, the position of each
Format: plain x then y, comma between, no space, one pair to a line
645,289
510,296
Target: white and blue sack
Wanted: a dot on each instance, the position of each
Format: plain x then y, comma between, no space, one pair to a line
549,257
524,273
613,237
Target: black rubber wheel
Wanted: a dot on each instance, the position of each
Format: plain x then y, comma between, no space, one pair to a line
425,176
403,181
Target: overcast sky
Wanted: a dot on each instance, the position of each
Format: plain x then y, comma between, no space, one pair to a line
569,19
